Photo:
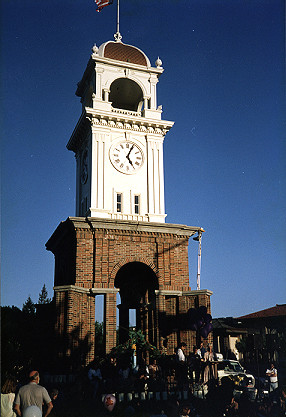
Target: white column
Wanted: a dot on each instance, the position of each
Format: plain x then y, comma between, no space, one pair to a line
98,83
94,199
157,190
153,83
145,103
161,180
106,92
150,177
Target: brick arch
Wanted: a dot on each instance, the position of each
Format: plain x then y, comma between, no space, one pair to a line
127,260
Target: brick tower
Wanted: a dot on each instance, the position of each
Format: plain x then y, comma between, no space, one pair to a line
119,241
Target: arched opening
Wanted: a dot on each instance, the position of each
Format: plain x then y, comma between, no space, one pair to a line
126,94
137,283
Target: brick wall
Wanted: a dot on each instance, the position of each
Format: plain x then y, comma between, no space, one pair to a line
88,255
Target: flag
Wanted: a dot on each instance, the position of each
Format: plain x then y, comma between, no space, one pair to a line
102,3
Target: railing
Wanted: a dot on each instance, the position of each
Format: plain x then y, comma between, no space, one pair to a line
134,217
126,112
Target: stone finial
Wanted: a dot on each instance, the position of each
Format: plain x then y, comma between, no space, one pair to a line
95,49
158,63
118,37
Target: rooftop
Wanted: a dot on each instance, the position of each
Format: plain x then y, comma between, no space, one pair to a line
278,310
124,53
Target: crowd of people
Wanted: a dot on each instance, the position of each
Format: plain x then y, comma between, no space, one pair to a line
182,373
177,373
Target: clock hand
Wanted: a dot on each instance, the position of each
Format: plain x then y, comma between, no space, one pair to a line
130,162
127,156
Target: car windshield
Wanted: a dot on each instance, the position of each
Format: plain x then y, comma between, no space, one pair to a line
230,366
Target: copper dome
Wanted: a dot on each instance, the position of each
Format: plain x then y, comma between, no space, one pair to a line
124,53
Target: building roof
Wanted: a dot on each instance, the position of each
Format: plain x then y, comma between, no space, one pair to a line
124,53
228,325
278,310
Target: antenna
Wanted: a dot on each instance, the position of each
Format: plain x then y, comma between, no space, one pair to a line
117,35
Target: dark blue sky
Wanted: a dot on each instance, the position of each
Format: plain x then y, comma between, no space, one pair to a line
223,85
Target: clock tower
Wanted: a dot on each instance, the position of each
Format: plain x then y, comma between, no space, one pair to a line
118,141
118,245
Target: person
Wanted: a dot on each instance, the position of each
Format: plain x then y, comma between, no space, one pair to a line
202,350
182,369
95,378
110,374
208,358
273,380
181,352
154,370
141,373
54,394
56,400
125,376
225,403
195,365
8,396
282,399
32,394
185,411
154,375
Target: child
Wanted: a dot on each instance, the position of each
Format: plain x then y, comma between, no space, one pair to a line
185,411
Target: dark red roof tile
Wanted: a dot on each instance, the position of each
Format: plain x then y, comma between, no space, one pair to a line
124,53
278,310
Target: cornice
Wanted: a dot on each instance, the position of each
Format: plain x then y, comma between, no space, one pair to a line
82,290
198,292
79,134
100,291
123,64
134,226
63,288
165,293
116,119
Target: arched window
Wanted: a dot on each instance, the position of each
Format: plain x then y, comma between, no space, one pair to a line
126,94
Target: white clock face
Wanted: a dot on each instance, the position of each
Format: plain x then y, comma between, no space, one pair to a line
126,157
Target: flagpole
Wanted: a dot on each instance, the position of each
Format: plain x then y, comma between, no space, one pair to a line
117,35
118,16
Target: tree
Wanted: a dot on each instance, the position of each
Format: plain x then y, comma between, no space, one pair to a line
29,307
28,340
43,296
12,347
98,339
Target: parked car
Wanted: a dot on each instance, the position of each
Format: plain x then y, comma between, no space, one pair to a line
244,382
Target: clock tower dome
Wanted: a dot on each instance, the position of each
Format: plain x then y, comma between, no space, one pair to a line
118,141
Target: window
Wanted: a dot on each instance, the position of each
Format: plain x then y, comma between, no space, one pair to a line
119,203
136,204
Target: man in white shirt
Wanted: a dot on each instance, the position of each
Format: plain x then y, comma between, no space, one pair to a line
182,370
273,378
181,352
